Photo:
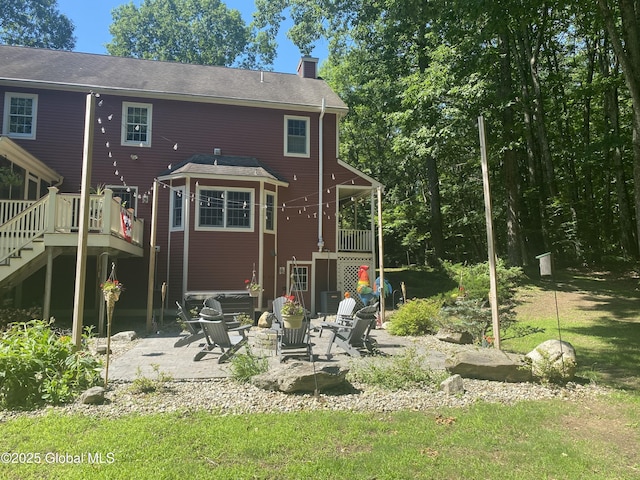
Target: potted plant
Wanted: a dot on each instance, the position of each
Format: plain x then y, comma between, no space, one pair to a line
253,288
292,313
111,290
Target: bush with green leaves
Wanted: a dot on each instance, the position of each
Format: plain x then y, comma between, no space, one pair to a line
395,373
246,365
474,280
416,317
474,316
39,366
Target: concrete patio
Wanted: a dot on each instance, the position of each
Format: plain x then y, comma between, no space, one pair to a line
157,352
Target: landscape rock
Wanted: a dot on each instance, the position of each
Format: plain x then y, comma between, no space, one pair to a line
265,320
127,336
301,377
93,396
453,385
489,364
460,338
102,349
553,360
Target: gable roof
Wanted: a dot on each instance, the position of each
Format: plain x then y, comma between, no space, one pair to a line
147,78
222,166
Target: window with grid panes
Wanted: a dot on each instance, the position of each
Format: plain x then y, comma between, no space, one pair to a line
20,115
136,124
230,209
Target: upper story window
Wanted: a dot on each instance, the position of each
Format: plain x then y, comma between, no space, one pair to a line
225,209
296,136
128,196
20,115
136,124
270,210
177,208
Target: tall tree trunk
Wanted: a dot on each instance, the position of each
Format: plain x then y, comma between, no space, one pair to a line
614,155
626,45
510,158
436,210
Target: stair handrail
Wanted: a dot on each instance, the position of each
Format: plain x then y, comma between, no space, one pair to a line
22,229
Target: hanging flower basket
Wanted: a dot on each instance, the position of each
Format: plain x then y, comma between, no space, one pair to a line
292,321
254,293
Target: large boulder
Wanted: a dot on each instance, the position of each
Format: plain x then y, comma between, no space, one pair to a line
301,377
489,364
93,396
553,360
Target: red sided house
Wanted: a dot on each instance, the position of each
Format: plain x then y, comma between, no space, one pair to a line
248,180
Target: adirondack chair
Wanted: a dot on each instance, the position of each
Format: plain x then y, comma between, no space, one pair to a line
212,303
192,325
355,337
344,315
291,341
218,336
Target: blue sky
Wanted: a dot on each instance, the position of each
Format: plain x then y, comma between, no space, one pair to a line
93,17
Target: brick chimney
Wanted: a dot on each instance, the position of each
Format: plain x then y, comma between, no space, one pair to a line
308,67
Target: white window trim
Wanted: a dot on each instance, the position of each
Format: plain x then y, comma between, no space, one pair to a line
134,195
7,113
275,212
180,227
299,264
307,121
123,128
252,221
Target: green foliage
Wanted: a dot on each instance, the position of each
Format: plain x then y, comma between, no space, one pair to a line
203,32
38,366
35,23
142,384
408,370
246,365
475,283
474,316
416,317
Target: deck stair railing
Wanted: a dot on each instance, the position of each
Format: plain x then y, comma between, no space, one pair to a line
21,230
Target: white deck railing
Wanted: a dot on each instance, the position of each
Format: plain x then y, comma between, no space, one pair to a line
60,213
22,229
355,241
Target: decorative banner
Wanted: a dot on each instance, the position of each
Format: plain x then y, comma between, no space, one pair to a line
125,220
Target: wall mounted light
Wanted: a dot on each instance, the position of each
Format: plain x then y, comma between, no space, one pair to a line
134,156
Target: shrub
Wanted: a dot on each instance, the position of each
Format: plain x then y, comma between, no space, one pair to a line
246,365
475,283
416,317
474,316
395,373
39,366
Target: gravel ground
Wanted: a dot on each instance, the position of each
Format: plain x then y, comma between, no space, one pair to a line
224,396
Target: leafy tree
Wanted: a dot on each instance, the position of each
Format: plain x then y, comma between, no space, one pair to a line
35,23
202,32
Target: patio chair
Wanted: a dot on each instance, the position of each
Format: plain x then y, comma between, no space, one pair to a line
344,315
355,337
218,336
291,341
192,325
212,308
294,341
